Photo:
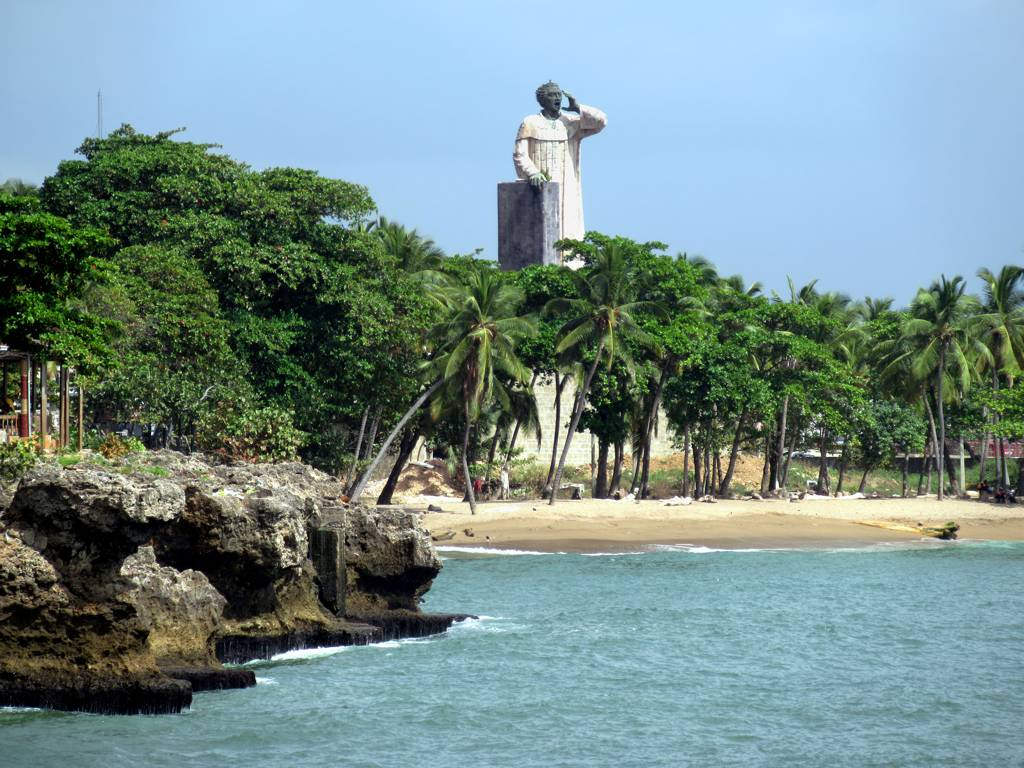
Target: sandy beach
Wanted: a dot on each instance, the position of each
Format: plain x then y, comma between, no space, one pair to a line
604,525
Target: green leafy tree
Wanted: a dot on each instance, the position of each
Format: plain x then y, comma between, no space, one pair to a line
49,266
318,312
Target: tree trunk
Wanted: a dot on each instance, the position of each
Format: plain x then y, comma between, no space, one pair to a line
559,386
465,459
581,403
491,452
766,470
652,416
823,478
723,489
984,455
1020,477
638,463
794,434
709,475
781,447
601,487
515,430
686,460
716,463
842,465
863,480
698,475
951,473
372,437
404,452
906,470
963,469
1005,466
361,485
617,470
935,444
359,448
924,461
940,446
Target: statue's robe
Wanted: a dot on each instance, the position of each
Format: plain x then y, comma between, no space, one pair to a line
553,147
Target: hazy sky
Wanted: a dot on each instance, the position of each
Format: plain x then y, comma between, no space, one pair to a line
872,145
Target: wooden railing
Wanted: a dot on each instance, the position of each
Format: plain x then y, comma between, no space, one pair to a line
9,424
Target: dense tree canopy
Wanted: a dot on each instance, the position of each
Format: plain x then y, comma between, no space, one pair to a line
257,313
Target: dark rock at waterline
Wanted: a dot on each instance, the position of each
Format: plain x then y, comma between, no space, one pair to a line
122,588
159,696
207,679
238,649
394,625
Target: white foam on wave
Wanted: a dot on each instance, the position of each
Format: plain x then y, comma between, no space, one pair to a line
615,554
698,549
18,710
494,551
265,681
309,653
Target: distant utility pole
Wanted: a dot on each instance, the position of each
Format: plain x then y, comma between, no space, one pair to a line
99,114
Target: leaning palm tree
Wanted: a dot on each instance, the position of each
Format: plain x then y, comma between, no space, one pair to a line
938,340
602,323
477,360
473,359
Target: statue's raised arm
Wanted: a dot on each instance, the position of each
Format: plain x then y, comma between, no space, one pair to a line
548,149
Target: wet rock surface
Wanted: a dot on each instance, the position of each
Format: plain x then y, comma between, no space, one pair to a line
124,586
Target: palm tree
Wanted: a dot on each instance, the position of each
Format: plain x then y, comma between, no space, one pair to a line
871,309
415,253
477,359
601,322
937,337
1000,326
473,358
19,187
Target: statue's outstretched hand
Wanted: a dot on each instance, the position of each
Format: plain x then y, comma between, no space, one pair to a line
573,106
537,180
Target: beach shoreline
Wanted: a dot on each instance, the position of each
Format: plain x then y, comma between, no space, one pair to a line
620,526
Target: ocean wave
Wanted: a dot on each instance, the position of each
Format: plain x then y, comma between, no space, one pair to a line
493,551
265,681
615,554
699,549
309,653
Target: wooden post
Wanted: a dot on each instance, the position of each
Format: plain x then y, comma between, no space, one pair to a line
81,412
44,422
65,406
24,416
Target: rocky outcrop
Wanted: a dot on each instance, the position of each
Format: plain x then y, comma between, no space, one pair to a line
390,561
122,588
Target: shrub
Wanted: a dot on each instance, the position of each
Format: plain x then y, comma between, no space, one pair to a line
16,458
240,430
113,446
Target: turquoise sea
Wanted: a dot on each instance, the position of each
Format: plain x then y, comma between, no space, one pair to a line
891,655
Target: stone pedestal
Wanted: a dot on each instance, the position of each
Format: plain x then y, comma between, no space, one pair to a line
529,222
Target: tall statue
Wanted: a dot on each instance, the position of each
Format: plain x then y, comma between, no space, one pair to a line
548,149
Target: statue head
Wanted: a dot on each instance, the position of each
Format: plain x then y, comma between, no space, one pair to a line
549,96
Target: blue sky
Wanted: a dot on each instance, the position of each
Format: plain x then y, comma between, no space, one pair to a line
871,145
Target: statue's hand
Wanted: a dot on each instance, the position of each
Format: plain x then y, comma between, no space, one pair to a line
573,106
537,180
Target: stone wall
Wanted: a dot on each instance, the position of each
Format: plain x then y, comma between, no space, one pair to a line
579,452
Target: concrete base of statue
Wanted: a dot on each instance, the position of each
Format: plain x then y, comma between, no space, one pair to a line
529,222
